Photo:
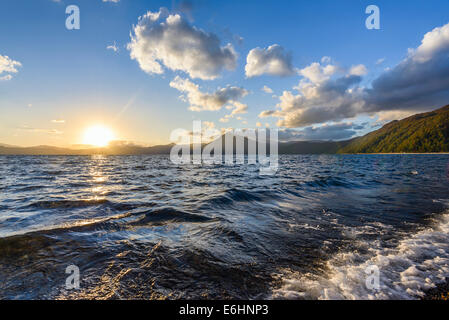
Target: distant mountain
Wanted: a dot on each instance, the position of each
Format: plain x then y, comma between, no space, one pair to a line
6,145
112,150
424,132
295,147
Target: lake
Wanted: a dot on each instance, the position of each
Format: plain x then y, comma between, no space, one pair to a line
140,227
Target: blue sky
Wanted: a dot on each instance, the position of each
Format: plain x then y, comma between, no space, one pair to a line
70,75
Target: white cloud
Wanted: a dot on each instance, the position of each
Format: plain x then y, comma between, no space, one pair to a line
386,116
162,39
8,67
59,121
115,1
267,89
272,60
358,70
39,130
237,108
112,47
200,101
322,97
326,60
317,72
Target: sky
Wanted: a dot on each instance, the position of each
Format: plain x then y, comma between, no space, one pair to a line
144,68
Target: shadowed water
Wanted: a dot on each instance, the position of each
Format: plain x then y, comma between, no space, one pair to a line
139,227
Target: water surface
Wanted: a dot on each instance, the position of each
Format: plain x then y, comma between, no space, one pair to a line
139,227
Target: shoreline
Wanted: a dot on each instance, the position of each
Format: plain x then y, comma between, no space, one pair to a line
163,154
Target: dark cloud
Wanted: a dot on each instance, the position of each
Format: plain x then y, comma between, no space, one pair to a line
338,131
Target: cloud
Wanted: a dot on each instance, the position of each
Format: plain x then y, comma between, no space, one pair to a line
387,116
267,89
200,101
162,39
322,96
358,70
318,73
420,82
112,47
8,67
38,130
336,131
237,108
272,60
240,108
326,59
60,121
115,1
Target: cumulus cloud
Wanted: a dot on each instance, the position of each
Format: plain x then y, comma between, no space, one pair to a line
321,98
237,109
8,67
273,60
162,39
358,70
317,73
420,82
200,101
267,89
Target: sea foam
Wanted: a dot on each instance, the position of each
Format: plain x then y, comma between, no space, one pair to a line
418,263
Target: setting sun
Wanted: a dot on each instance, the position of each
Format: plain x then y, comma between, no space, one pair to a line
98,136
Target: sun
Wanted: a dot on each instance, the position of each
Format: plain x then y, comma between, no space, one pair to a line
98,136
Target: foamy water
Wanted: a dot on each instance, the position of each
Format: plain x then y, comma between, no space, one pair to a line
418,263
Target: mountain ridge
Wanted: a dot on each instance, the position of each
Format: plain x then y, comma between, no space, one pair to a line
421,133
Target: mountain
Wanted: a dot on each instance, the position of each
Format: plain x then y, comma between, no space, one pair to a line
7,145
420,133
295,147
112,150
425,132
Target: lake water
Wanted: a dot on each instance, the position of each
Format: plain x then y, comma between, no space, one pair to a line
139,227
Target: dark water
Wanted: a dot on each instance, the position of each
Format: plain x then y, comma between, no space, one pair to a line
139,227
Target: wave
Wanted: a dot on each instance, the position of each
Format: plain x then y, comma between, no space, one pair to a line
65,204
238,195
169,215
417,264
330,181
156,217
73,204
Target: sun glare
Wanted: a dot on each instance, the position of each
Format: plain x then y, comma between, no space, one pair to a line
98,136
